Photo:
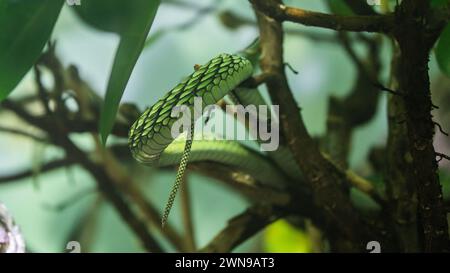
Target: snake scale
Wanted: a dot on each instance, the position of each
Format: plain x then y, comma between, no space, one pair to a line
151,141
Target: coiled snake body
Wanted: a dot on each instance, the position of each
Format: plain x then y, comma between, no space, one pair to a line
151,141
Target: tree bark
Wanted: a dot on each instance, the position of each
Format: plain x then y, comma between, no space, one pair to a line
415,40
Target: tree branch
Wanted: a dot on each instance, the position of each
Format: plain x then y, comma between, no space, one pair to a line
52,165
398,170
234,21
58,137
281,13
22,133
241,228
129,187
415,40
324,178
243,183
344,115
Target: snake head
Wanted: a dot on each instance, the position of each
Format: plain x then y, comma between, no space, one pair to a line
151,132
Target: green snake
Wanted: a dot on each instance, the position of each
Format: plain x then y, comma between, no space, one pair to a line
151,141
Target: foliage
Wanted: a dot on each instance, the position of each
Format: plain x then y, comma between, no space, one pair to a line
319,187
25,27
132,22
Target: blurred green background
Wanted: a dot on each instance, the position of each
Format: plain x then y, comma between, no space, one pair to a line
324,69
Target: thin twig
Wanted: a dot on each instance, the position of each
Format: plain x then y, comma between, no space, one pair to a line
440,128
288,65
52,165
441,156
43,96
23,133
390,91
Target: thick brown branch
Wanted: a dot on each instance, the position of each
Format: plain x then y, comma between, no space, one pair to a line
289,201
280,12
243,183
233,21
324,178
415,42
399,175
242,227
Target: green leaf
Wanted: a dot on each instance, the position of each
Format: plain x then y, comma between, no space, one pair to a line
282,237
132,20
339,7
443,52
25,27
